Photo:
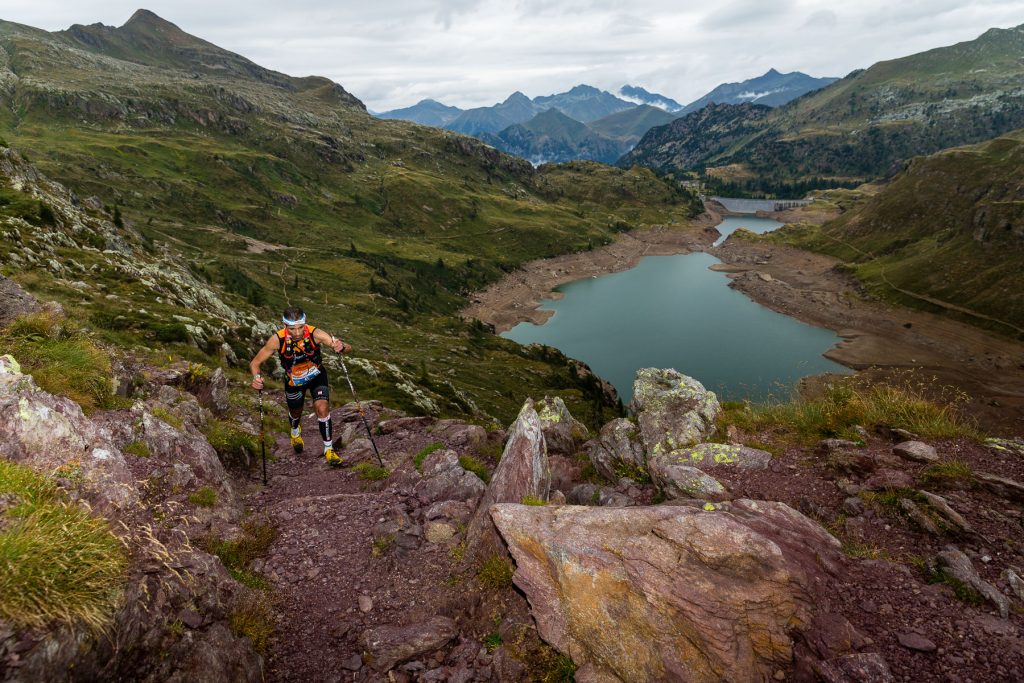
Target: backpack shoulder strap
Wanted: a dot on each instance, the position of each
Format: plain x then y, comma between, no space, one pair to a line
310,329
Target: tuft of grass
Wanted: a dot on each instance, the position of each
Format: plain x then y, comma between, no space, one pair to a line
492,641
252,617
233,443
367,471
424,452
954,473
167,416
851,401
381,544
205,497
238,554
961,590
495,573
61,359
477,467
138,448
533,500
60,564
631,471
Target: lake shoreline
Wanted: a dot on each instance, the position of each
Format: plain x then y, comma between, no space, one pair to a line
879,340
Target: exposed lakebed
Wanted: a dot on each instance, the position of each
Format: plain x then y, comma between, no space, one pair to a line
672,311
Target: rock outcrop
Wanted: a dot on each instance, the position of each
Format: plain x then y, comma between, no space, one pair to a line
172,622
522,471
694,594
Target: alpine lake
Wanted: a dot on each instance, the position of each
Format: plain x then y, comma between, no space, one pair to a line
673,312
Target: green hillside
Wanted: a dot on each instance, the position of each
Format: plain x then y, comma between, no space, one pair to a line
275,189
860,127
946,234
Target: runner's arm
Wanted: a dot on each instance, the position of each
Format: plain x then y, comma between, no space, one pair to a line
262,355
322,337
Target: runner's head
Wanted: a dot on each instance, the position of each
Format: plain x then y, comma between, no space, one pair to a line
294,321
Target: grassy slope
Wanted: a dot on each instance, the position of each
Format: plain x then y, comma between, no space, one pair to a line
949,227
201,163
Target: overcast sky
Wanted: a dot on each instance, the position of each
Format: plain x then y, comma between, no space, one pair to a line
392,53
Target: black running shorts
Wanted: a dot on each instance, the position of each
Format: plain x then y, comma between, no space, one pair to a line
317,387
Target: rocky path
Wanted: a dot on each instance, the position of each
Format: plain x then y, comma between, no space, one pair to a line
349,557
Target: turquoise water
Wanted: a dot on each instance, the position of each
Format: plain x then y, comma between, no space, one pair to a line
672,312
758,225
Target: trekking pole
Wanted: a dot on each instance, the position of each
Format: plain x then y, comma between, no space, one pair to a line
263,441
359,405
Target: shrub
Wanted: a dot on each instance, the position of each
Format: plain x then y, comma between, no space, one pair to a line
533,500
367,471
59,562
495,573
471,464
205,497
61,359
424,452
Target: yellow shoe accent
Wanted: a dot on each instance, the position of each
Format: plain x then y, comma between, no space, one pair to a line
332,457
297,443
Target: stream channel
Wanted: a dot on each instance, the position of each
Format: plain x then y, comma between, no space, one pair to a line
672,312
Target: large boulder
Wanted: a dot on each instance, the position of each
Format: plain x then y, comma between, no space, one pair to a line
674,411
522,471
694,593
562,432
618,450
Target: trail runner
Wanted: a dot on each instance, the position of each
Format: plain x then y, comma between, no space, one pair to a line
298,346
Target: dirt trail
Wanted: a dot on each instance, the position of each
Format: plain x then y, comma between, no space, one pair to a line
325,556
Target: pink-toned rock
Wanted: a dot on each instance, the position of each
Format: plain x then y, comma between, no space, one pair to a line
917,451
522,471
458,434
389,645
680,593
445,479
617,449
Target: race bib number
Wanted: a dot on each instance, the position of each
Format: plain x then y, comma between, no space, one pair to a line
302,373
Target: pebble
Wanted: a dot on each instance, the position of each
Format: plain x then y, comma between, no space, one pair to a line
780,675
915,641
365,603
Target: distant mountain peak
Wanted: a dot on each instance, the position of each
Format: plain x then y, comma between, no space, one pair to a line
771,72
517,96
641,96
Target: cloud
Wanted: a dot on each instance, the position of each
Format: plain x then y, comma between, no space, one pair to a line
469,53
824,18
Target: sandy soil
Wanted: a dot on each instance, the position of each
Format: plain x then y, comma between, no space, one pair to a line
879,339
